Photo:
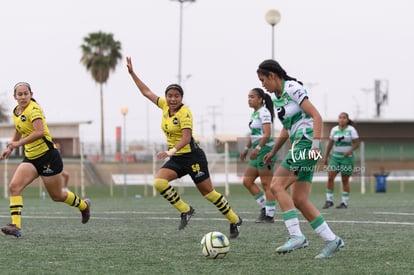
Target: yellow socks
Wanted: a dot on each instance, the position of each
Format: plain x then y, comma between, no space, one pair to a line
75,201
169,193
223,205
16,206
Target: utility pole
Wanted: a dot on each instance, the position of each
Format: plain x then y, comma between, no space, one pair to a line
180,38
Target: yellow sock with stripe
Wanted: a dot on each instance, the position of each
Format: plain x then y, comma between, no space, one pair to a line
169,193
74,200
223,205
16,206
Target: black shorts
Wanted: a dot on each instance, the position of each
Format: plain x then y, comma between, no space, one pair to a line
193,164
49,164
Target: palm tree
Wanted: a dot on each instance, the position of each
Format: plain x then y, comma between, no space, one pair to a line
100,55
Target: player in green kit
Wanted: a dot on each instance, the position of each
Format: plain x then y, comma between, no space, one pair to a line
339,158
260,142
302,124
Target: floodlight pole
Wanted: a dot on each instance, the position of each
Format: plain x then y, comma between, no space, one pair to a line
180,39
273,18
124,112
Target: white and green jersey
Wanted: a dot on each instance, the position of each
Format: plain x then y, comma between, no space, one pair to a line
257,119
293,118
343,139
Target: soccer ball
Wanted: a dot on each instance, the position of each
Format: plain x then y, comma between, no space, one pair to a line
215,245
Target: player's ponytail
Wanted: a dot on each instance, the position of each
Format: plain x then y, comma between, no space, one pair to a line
273,66
268,103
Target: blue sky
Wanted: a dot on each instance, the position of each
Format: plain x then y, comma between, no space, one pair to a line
337,48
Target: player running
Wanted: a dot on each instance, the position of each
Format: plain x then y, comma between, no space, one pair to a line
41,158
302,124
184,153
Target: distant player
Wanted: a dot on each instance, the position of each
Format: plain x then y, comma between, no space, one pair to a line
339,158
41,158
185,155
260,142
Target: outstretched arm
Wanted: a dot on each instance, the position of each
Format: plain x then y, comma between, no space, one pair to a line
145,91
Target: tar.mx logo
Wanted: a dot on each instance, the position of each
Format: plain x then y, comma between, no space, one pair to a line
304,154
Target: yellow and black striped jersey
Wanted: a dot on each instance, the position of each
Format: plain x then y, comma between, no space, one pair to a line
172,125
24,125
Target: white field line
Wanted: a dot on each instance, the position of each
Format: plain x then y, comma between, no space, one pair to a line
101,216
393,213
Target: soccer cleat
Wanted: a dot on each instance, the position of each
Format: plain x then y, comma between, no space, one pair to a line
235,229
342,206
327,204
269,219
293,243
12,229
185,217
86,214
262,216
330,248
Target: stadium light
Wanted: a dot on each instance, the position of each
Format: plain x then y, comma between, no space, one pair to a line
273,18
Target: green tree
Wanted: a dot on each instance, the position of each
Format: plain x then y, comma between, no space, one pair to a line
100,54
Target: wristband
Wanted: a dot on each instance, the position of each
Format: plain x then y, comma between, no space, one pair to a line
258,147
171,152
246,148
316,143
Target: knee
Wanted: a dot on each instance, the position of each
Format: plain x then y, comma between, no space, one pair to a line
15,189
160,184
275,188
266,185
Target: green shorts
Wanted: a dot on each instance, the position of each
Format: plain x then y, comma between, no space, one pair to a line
345,165
258,162
298,160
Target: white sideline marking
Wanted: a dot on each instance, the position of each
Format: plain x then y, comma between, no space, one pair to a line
393,213
60,217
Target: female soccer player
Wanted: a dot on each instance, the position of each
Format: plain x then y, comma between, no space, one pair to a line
41,158
302,124
344,140
261,142
185,155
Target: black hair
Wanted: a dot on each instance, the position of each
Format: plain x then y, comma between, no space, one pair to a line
273,66
175,87
23,84
267,100
350,122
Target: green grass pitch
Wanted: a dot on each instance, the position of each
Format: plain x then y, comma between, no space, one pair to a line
128,235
